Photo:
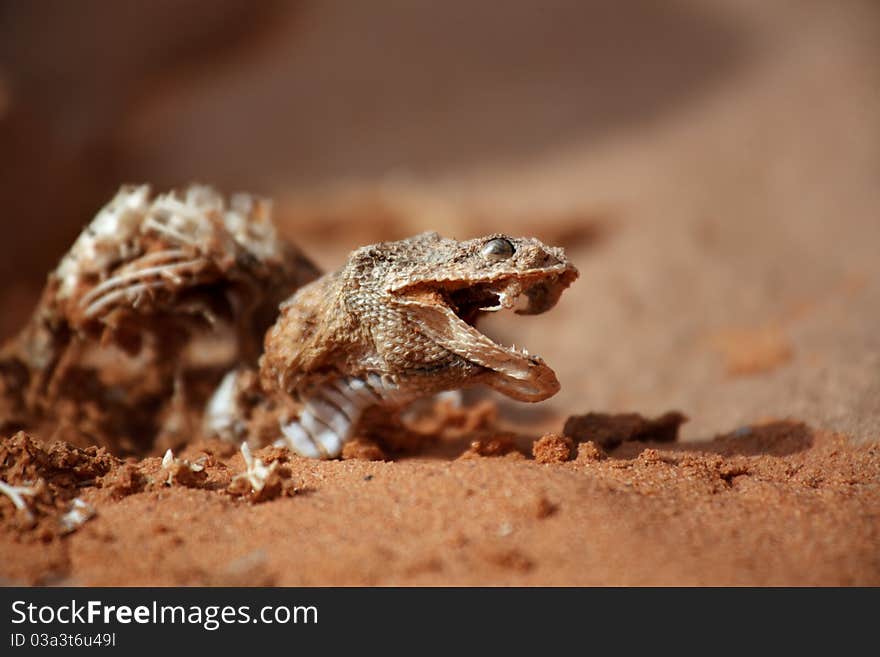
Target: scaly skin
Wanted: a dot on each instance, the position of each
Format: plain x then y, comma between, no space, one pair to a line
397,323
394,324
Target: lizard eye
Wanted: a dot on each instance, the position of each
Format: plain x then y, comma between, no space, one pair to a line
497,249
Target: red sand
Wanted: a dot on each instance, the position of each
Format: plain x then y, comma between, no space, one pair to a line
716,187
782,505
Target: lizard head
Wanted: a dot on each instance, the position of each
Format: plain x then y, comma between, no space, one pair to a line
444,286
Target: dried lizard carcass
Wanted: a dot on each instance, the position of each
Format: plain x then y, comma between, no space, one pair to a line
149,273
397,323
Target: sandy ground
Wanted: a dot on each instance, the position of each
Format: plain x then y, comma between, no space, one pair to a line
780,505
712,170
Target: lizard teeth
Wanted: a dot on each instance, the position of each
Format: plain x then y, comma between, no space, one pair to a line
522,351
506,300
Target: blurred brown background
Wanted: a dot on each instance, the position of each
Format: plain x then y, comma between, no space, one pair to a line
713,167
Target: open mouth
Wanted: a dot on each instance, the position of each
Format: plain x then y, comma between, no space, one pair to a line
472,302
450,312
525,298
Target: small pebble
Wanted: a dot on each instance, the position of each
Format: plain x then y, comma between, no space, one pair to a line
553,448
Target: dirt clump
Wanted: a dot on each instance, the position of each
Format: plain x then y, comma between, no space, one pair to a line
125,480
183,472
48,481
553,448
608,431
493,446
589,451
363,449
267,475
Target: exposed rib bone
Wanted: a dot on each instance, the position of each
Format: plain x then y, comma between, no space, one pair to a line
344,404
168,231
223,417
130,293
15,493
146,272
296,438
165,254
331,413
328,442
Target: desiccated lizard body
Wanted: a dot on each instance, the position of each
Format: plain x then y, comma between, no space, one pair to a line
397,323
155,272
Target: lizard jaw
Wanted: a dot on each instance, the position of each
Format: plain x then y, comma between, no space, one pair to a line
448,318
512,370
